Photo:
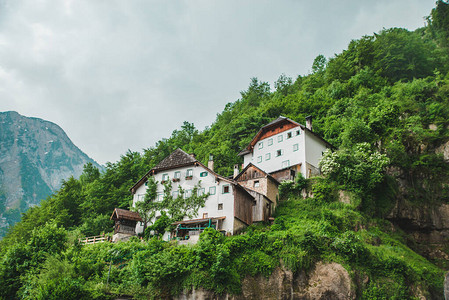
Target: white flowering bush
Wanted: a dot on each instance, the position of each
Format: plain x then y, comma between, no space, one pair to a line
359,168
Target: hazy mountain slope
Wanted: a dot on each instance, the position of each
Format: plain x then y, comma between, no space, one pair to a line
35,156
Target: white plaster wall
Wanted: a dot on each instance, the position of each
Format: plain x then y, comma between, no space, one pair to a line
314,149
211,204
275,162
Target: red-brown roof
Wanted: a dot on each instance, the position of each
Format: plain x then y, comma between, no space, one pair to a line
120,213
279,121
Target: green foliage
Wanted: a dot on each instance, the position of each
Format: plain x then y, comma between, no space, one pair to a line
359,168
382,103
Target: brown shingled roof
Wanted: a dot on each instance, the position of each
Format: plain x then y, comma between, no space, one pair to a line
125,214
176,159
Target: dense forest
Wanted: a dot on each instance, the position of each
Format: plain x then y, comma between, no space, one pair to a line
382,103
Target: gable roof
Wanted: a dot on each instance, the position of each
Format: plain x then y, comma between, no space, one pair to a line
259,169
280,120
176,159
125,214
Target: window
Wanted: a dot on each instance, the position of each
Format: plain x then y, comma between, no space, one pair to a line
164,177
285,164
160,197
267,156
259,159
260,145
189,173
270,142
175,194
280,138
225,189
298,132
212,190
177,175
295,147
289,135
188,193
256,183
279,152
203,174
205,215
146,183
201,192
220,206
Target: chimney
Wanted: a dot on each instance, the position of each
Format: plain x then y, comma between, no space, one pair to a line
236,170
210,163
309,123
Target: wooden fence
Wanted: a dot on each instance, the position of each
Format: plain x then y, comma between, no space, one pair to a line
94,239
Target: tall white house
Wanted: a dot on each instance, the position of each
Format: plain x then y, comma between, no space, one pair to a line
284,147
228,207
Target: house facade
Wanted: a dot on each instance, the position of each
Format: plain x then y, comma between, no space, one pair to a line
228,207
284,148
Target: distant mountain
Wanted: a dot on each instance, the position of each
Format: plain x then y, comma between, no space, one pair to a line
35,156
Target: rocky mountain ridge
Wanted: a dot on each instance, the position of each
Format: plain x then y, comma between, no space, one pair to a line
36,155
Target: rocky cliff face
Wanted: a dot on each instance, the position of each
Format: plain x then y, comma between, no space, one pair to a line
35,156
325,281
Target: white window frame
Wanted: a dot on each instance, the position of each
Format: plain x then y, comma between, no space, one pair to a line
295,147
267,156
189,173
270,142
201,191
165,177
187,194
280,138
259,159
177,175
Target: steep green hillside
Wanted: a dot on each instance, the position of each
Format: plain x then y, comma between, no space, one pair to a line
383,104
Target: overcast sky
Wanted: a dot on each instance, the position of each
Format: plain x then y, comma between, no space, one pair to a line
119,75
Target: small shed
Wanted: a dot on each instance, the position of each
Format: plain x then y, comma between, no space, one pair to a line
125,221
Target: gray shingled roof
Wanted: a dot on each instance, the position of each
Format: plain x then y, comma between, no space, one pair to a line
175,159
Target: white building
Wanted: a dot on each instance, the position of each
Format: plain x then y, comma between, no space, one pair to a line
284,147
228,207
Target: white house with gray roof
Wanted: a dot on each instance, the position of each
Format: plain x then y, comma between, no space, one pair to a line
228,207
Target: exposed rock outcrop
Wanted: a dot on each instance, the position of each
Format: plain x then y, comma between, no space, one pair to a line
427,225
325,281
